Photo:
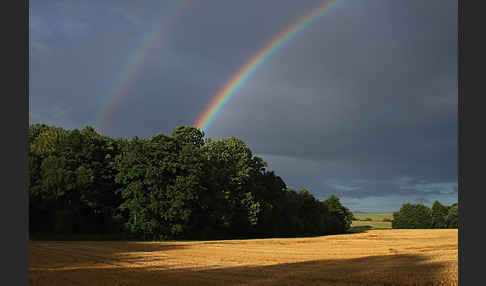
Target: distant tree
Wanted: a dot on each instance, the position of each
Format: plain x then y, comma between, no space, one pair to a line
412,216
452,219
439,214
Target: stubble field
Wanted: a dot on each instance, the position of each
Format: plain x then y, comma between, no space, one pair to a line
375,257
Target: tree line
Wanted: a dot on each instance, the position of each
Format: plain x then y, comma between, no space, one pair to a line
422,217
182,186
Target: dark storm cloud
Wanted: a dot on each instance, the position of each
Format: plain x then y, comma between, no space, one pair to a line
384,102
362,103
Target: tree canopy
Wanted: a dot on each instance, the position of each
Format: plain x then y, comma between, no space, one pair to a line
421,216
181,186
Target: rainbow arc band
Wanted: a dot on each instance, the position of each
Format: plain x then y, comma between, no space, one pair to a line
132,69
231,86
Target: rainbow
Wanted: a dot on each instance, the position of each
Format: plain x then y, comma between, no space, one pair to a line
231,86
133,68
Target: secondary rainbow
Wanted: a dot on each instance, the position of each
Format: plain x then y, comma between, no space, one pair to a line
238,78
132,69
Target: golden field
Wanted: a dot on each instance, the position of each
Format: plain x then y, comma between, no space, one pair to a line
375,257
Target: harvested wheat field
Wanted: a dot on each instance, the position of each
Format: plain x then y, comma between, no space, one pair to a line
375,257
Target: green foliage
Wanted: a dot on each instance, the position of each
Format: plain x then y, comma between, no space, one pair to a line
160,181
227,173
71,180
168,187
342,217
188,136
412,216
439,214
420,216
452,218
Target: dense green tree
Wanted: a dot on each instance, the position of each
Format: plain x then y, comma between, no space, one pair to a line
420,216
452,218
70,187
186,135
228,169
165,187
412,216
308,212
269,190
439,214
341,217
161,185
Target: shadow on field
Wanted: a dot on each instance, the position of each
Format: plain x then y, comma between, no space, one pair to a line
70,255
385,270
109,249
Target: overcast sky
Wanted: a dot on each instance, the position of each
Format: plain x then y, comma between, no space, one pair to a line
361,104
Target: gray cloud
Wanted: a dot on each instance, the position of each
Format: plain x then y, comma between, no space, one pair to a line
356,102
